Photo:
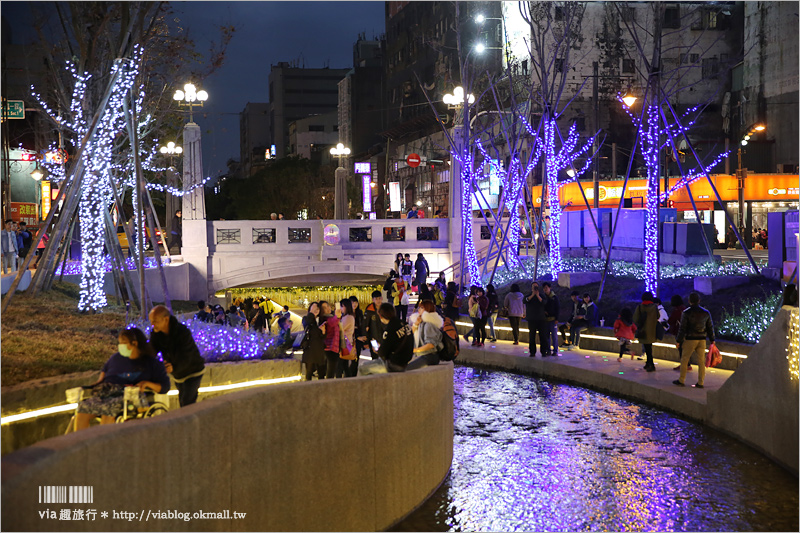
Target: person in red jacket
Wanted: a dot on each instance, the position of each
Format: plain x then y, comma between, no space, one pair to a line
329,325
625,332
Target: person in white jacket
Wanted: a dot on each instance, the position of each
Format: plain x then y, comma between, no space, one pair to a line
10,250
427,325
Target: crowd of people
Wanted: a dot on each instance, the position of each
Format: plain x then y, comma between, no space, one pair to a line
16,240
335,336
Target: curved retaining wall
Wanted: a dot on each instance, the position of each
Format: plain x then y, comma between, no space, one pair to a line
334,455
757,405
48,392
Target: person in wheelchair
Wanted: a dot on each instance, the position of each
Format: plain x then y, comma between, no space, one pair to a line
134,365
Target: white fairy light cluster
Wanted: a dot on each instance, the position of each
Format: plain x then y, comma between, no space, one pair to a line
621,269
98,165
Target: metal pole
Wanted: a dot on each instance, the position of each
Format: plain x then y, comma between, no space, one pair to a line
596,165
613,161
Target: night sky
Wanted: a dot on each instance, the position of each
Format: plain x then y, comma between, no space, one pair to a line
316,33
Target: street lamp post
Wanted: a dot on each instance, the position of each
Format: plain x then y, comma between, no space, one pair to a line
741,178
340,184
193,204
171,150
480,18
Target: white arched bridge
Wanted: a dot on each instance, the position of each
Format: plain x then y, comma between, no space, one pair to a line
262,253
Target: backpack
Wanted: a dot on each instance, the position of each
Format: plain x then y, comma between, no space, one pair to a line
450,347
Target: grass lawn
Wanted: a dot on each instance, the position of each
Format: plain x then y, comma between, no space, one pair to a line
47,336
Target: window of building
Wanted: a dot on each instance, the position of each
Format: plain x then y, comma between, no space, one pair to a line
628,66
316,127
486,233
559,64
694,58
628,14
559,15
672,17
710,67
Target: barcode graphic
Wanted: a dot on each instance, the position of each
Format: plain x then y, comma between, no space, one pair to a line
66,494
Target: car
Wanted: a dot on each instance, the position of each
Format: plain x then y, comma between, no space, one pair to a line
123,238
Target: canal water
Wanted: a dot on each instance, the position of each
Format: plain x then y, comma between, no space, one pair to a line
530,455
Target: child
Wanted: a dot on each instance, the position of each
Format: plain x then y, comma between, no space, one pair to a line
624,331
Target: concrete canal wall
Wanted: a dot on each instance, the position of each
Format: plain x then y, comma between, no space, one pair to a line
334,455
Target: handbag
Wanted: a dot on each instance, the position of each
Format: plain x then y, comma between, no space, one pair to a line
345,346
503,312
713,357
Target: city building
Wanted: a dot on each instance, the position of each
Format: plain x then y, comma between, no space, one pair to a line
312,137
253,137
361,97
26,138
422,63
766,85
296,92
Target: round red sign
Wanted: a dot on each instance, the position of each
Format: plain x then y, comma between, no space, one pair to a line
413,160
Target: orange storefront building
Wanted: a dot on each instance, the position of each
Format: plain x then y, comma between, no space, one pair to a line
763,193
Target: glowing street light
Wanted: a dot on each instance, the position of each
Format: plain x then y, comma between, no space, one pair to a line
457,98
340,150
190,97
37,173
171,149
480,19
629,99
480,48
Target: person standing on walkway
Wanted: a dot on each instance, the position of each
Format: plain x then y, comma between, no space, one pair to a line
537,321
493,309
552,309
373,324
516,310
8,237
314,344
674,322
347,366
388,289
329,325
176,232
645,318
696,325
181,355
563,328
407,271
478,312
422,270
360,333
452,302
400,290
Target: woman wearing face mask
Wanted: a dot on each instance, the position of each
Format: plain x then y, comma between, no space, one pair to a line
134,365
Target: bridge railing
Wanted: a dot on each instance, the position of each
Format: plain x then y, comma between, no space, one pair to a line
310,235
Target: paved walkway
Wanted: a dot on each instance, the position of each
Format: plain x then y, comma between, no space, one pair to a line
603,371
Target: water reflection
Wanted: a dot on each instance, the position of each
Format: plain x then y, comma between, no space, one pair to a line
530,455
